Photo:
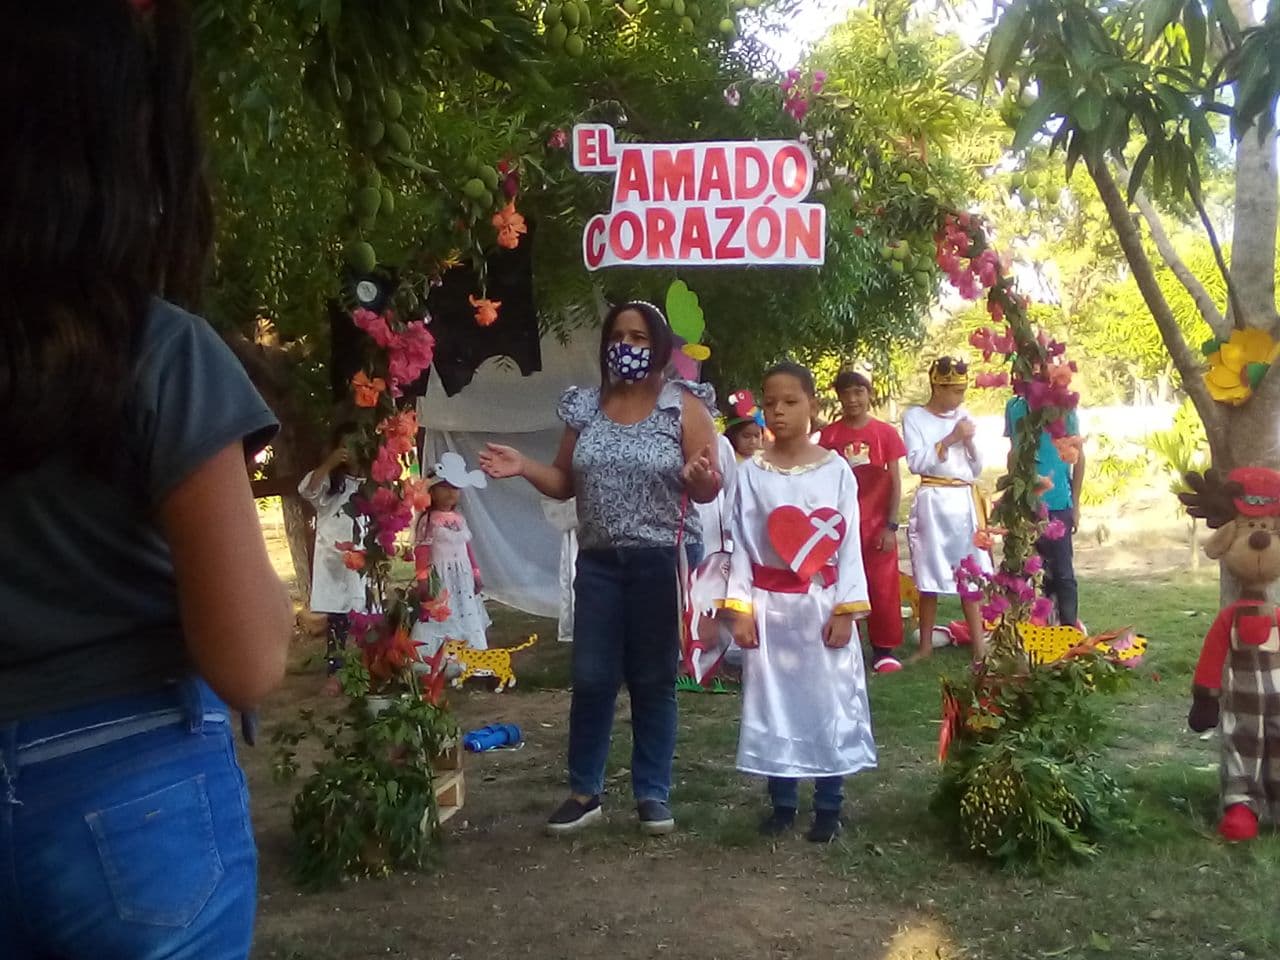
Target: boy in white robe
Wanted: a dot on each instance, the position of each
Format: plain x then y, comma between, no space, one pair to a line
947,511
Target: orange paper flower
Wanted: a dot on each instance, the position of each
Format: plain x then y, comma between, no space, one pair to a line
1043,484
510,225
1069,449
486,311
417,494
367,390
354,559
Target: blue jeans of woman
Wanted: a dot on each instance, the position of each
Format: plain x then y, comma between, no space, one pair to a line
626,629
828,792
125,834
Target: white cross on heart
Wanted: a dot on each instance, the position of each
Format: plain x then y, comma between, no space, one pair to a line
806,541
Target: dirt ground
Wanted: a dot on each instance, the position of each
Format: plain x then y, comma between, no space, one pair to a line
503,890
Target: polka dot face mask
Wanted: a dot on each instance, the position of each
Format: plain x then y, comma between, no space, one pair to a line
627,362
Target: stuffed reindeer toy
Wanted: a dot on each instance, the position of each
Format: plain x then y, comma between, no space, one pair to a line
1237,679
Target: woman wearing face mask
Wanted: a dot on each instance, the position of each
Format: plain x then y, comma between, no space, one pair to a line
635,451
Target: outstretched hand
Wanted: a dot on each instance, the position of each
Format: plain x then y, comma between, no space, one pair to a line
501,462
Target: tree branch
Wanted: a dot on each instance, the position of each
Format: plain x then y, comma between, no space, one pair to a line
1187,364
1233,296
1203,301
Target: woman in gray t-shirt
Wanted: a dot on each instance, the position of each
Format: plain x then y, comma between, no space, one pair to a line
635,451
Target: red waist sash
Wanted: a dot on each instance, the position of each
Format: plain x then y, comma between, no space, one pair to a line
785,580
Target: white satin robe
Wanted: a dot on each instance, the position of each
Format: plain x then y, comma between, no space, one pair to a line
804,705
943,519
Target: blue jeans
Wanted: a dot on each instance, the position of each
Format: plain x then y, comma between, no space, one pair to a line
828,792
626,628
1059,570
125,834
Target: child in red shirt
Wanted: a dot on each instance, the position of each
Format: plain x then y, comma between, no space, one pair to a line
872,448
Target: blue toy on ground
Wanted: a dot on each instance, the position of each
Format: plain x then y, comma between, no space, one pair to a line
492,737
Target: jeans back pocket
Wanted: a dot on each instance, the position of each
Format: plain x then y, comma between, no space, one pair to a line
159,854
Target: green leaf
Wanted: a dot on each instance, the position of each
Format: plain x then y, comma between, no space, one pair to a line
1156,16
1197,33
1100,942
1226,20
1006,41
1255,372
1210,346
1048,104
1140,168
684,312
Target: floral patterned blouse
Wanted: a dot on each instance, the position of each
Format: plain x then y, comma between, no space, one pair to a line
626,477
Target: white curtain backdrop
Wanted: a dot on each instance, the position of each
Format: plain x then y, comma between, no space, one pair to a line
517,547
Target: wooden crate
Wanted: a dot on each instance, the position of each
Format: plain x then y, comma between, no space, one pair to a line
450,782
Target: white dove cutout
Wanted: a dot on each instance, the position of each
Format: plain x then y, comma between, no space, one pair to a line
452,469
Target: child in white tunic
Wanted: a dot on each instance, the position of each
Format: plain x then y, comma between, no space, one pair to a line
336,590
945,515
796,586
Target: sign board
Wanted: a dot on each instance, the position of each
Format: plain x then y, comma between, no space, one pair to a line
726,203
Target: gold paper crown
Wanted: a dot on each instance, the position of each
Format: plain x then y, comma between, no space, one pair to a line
949,372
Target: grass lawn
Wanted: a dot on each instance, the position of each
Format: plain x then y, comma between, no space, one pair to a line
889,889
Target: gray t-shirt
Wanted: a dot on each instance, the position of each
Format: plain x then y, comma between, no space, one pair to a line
88,598
626,477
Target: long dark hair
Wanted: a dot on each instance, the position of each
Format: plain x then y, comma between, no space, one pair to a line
103,205
661,340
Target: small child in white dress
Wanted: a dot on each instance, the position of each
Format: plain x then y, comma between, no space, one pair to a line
336,589
443,530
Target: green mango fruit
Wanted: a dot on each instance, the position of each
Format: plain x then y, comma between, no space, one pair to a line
475,189
370,177
399,138
557,35
367,202
728,27
361,257
574,46
677,7
896,266
374,131
388,201
392,105
571,15
490,177
694,11
584,15
686,24
631,7
344,88
551,16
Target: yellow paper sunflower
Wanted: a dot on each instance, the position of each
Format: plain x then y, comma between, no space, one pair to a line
1238,365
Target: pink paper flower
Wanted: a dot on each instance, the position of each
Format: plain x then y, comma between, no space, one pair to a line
558,140
386,466
375,325
991,379
1055,529
1041,611
1034,564
994,609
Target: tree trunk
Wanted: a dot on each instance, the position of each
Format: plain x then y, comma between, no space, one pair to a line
295,450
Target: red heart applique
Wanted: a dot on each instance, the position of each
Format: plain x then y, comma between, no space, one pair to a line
806,542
